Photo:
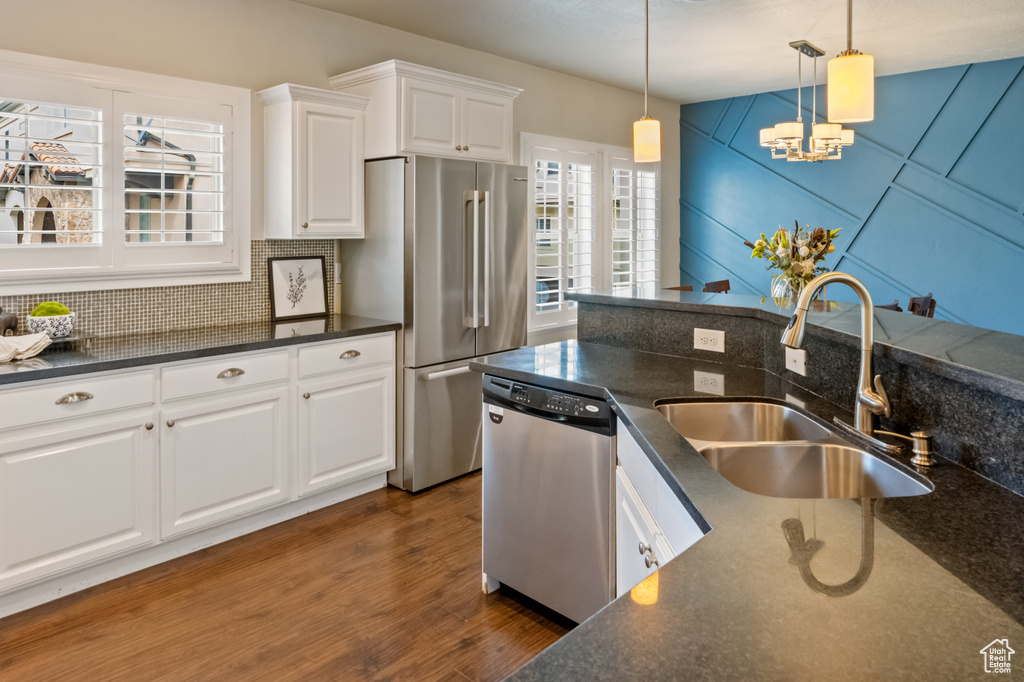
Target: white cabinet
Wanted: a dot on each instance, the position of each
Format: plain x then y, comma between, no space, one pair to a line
106,473
221,459
75,495
640,548
647,513
346,427
313,170
416,109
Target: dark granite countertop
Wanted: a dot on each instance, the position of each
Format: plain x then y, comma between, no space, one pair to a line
984,358
947,577
105,353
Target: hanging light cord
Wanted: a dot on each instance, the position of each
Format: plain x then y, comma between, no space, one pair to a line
799,87
849,25
647,50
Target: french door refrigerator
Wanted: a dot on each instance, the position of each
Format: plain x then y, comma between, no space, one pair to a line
445,252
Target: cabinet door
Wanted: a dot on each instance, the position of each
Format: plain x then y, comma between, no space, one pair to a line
430,118
222,459
74,496
487,127
346,428
329,177
632,527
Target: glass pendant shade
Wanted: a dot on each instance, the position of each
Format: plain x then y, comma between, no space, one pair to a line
851,88
646,140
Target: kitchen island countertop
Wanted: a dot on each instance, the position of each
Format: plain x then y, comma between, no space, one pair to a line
947,576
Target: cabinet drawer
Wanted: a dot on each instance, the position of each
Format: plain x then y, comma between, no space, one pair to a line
636,465
89,394
346,354
222,374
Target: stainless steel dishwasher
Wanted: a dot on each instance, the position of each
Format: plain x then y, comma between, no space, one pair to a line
548,470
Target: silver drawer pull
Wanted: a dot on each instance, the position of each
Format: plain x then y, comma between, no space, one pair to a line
77,397
170,423
306,396
231,372
149,426
349,354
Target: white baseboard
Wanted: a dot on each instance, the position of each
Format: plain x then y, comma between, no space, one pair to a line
34,594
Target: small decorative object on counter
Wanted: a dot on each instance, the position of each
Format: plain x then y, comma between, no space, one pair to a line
8,323
298,287
795,255
52,318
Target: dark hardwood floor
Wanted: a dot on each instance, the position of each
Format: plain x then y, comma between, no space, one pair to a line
382,587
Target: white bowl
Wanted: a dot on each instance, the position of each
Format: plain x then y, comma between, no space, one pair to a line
55,326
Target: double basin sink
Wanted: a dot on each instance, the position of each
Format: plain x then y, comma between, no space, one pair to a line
774,450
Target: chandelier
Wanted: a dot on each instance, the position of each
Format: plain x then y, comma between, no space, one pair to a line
786,140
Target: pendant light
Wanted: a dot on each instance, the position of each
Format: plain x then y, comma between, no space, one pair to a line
851,81
646,131
786,140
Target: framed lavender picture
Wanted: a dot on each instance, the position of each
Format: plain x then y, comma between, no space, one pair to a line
298,287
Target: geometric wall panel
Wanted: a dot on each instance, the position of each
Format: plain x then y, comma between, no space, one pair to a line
930,197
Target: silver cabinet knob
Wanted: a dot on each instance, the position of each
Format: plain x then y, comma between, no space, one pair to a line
649,560
231,372
349,354
458,148
306,396
643,547
149,426
466,148
170,423
305,225
76,397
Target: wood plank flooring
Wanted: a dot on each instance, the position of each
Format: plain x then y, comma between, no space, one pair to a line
382,587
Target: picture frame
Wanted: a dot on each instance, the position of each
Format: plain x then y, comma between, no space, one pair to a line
297,286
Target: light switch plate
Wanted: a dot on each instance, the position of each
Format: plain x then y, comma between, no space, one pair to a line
796,361
709,339
709,382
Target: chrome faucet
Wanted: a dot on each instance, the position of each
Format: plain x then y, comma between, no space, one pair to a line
870,403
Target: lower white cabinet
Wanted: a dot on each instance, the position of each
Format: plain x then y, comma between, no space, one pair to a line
223,458
640,547
346,427
648,514
73,496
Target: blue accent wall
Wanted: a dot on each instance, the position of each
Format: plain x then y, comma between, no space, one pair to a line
930,196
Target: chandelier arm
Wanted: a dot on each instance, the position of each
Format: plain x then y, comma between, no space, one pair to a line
799,87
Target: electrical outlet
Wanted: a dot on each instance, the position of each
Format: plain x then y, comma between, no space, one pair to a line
796,361
793,400
709,339
709,382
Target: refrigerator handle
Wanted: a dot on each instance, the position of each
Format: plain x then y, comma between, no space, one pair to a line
472,205
487,258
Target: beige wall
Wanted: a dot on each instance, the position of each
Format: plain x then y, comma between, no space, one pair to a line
259,43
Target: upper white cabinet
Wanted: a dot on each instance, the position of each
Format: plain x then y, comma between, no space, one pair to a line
418,110
313,163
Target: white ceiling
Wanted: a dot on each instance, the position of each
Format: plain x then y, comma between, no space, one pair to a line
708,49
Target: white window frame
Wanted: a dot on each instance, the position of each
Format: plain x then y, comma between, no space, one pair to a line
606,158
112,264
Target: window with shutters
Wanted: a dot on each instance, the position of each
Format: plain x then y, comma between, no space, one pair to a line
595,223
111,178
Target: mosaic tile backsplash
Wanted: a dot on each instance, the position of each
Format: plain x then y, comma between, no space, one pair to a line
114,312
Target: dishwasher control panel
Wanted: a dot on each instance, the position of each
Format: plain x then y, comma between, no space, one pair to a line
547,403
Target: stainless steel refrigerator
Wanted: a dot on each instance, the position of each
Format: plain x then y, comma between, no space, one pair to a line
445,252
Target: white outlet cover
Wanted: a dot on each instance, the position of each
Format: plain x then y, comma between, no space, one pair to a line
709,382
796,361
709,339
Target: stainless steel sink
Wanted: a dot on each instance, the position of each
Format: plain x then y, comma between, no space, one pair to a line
741,422
811,470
